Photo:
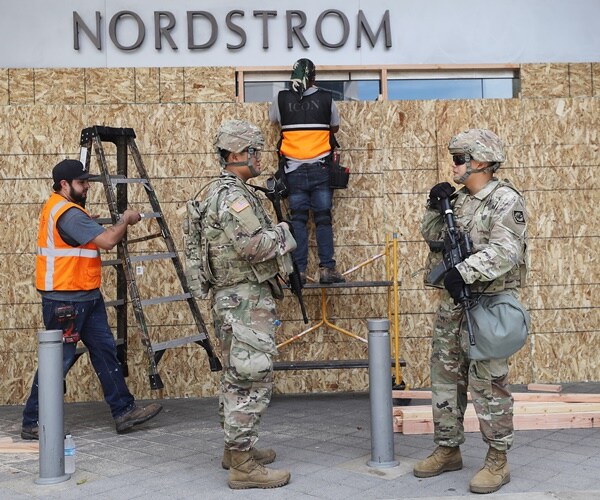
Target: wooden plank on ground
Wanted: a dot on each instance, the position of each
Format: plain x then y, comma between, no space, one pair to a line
521,422
574,420
19,446
527,416
517,396
551,397
409,394
519,407
544,387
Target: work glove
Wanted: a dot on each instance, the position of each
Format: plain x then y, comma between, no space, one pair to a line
438,192
454,283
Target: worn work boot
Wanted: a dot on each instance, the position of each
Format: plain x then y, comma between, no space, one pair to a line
137,415
330,275
30,433
494,473
263,457
443,459
245,472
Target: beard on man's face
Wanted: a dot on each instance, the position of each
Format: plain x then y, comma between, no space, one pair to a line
78,198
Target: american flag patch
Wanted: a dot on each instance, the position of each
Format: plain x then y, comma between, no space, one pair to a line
239,205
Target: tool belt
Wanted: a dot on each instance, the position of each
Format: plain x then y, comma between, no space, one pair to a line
338,175
66,318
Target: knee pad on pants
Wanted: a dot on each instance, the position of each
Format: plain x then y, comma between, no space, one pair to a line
300,216
323,218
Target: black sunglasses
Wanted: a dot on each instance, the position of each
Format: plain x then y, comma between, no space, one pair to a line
460,159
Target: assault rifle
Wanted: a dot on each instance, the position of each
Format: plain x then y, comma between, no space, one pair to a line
274,192
457,247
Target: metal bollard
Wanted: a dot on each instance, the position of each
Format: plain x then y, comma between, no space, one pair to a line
380,395
51,410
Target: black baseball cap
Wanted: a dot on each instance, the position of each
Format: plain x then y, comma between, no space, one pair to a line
68,170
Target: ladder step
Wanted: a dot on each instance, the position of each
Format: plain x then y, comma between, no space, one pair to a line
140,258
117,179
151,215
112,303
177,342
105,133
327,364
166,298
148,237
120,179
153,256
146,215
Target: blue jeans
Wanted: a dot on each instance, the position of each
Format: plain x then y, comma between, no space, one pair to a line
309,190
92,324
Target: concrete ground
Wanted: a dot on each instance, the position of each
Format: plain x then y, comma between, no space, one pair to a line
324,440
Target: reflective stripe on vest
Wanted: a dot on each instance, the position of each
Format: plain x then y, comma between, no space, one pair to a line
60,266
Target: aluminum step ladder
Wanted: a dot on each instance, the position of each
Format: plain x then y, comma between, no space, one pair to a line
115,189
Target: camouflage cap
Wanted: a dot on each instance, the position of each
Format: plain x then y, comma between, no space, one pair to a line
481,145
237,135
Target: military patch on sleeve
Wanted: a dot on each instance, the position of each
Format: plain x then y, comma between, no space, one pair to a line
239,205
519,216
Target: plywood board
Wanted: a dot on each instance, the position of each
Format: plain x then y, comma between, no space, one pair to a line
544,80
580,80
209,84
544,387
3,87
171,85
396,151
595,79
517,396
147,85
19,446
109,85
527,416
520,422
21,87
60,86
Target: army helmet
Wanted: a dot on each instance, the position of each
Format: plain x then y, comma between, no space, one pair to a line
480,144
237,135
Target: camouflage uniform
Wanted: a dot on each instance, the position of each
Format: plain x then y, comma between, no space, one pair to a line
237,252
495,217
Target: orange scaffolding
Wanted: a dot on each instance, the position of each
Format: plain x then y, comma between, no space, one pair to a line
390,253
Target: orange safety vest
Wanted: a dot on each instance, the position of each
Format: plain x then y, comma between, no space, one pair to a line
58,265
305,130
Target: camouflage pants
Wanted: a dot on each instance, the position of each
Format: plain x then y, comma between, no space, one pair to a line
452,374
244,318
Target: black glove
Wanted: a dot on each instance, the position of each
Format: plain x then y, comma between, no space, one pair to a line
441,190
454,283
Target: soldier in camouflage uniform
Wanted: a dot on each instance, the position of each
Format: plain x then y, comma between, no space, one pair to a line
493,213
235,251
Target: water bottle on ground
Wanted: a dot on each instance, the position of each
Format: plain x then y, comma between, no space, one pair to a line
69,454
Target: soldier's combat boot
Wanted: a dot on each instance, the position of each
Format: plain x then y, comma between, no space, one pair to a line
494,473
245,472
443,459
263,457
328,276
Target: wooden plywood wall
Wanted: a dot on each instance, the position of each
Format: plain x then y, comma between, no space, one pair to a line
396,152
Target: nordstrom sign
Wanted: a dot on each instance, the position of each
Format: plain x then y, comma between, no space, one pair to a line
127,30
